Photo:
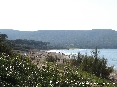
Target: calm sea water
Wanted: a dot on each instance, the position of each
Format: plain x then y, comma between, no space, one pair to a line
109,54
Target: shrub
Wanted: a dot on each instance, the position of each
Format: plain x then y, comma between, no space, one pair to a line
93,64
50,59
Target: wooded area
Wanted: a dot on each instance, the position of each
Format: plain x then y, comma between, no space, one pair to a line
102,38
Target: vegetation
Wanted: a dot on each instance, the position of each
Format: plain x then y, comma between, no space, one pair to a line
103,38
50,59
93,64
18,71
3,37
25,44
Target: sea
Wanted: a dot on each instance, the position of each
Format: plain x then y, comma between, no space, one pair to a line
109,54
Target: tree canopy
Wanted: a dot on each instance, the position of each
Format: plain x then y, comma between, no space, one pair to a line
103,38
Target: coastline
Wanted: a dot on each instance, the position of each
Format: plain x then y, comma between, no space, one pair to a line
39,57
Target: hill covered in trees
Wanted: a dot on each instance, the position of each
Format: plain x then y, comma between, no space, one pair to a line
25,44
103,38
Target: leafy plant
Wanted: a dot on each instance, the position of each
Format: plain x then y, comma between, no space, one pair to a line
93,64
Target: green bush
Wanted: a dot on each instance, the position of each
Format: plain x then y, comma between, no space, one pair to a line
18,71
50,59
93,64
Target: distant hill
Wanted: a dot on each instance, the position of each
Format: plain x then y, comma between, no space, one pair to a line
103,38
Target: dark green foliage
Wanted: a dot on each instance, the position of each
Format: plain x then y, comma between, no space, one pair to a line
3,37
77,61
25,44
103,38
18,71
3,47
93,64
50,59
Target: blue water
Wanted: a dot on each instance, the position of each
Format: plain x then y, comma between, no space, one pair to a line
109,54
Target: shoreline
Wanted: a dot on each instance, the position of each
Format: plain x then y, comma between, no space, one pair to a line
40,56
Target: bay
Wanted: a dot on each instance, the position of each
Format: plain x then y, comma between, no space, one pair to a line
109,54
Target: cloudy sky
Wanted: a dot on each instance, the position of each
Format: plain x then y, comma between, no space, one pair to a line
31,15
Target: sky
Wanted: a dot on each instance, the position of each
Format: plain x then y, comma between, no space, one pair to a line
32,15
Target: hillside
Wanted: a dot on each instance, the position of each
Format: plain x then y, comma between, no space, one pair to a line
103,38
